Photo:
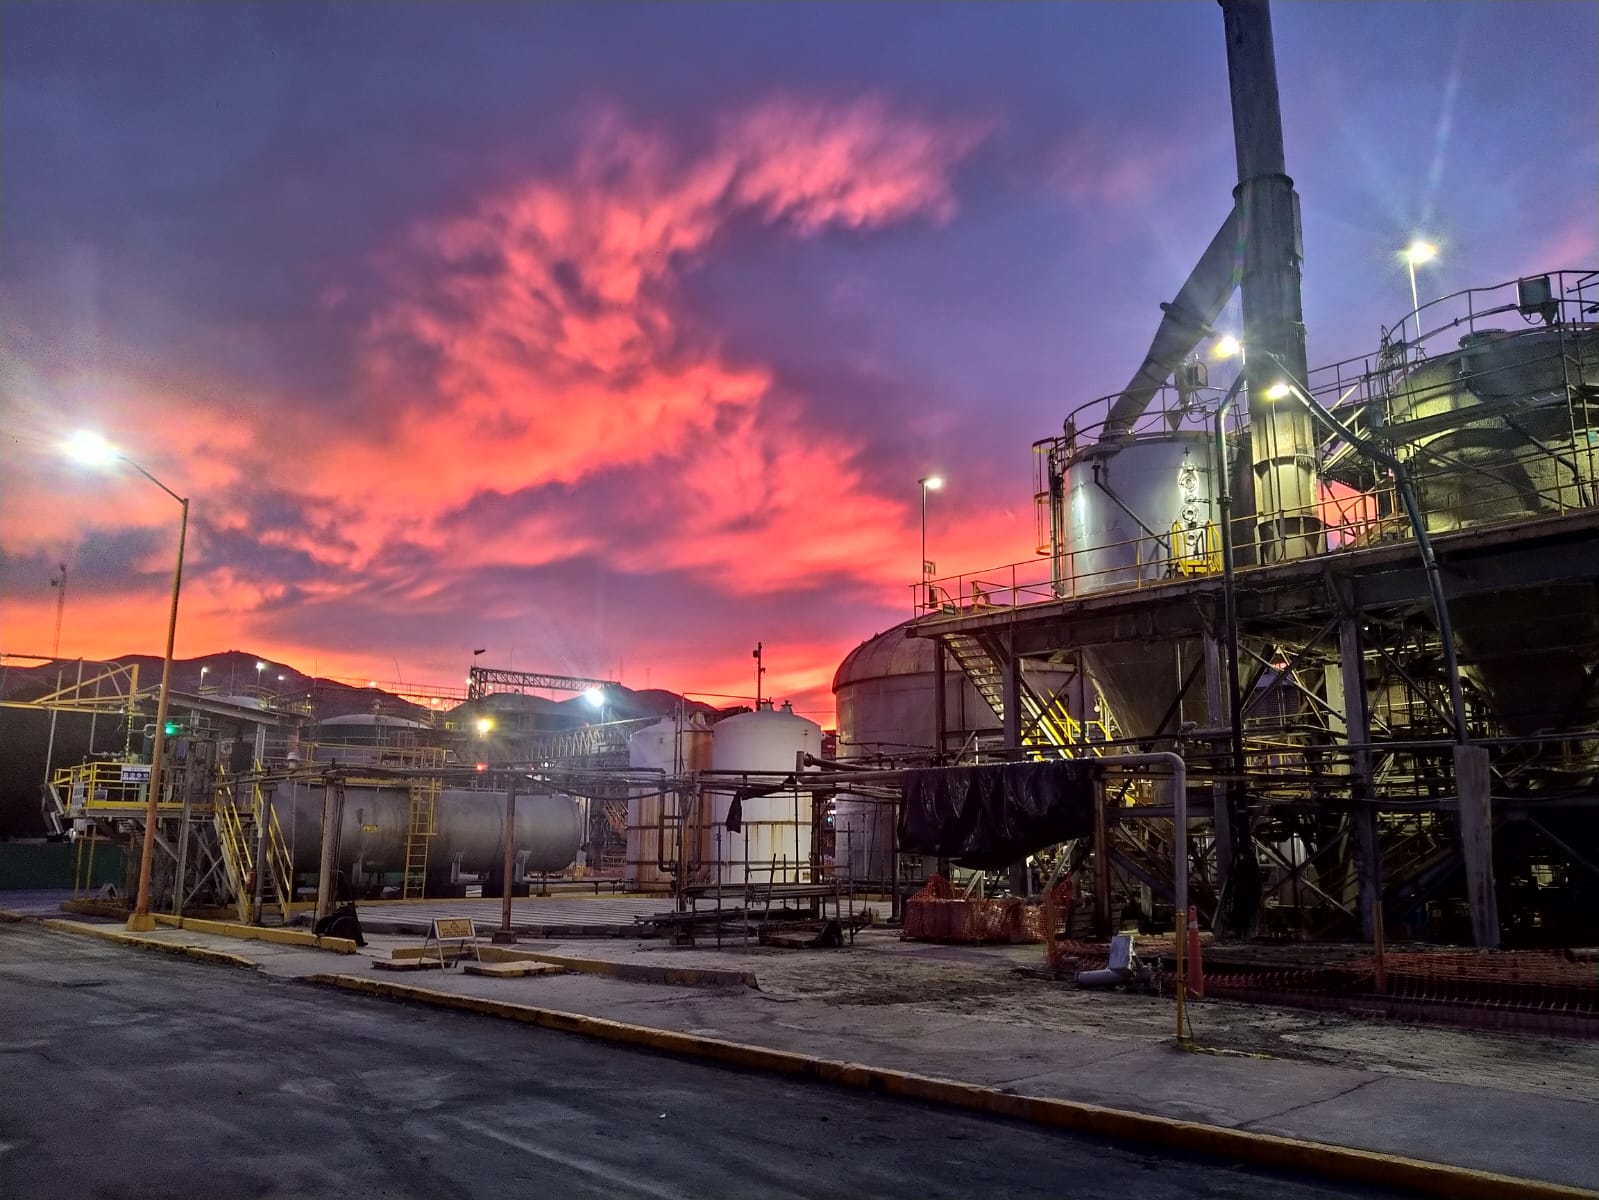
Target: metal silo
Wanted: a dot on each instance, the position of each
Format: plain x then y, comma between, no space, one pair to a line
775,827
1140,510
673,749
1506,428
886,690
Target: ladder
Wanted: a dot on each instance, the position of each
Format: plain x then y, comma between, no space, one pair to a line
1047,727
420,828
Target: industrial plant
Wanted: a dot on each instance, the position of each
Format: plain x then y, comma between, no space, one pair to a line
1307,656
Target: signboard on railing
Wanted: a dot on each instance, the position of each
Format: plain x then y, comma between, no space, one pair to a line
135,773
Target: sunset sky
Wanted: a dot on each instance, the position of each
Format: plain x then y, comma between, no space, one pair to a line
616,337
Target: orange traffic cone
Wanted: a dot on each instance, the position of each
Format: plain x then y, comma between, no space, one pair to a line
1196,966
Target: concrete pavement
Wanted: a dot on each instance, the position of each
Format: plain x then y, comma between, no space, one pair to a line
1511,1125
134,1074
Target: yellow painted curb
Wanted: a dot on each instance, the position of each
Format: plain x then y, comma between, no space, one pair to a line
146,943
1189,1137
258,933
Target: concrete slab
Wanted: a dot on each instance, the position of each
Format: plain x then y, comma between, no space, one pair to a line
508,970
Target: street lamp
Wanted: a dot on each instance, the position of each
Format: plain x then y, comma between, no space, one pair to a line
929,483
92,448
1416,253
259,667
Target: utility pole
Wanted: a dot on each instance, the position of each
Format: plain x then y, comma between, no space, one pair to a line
759,671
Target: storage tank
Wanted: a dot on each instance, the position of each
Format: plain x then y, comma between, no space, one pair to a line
1141,510
776,827
673,748
886,690
1503,429
469,823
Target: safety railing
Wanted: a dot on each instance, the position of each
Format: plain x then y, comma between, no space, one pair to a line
108,787
1558,477
1497,438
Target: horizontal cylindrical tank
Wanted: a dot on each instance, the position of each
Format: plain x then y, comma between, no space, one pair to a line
776,829
653,823
467,823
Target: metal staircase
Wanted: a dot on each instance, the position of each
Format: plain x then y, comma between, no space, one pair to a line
1047,727
239,828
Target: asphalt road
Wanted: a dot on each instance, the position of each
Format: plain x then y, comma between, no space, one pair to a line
129,1074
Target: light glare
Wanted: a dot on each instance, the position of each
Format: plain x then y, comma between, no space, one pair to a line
89,447
1277,391
1227,346
595,696
1419,252
933,482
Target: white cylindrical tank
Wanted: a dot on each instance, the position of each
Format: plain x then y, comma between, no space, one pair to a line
1139,511
776,828
673,749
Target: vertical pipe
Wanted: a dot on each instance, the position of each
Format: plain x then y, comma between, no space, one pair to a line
1011,682
1362,813
1284,444
332,819
505,935
1102,920
1181,930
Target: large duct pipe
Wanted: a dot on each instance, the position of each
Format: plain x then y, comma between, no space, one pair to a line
1267,210
1186,323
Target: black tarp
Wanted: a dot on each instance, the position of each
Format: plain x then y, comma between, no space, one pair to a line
989,817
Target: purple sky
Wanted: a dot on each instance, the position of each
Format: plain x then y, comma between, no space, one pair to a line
616,336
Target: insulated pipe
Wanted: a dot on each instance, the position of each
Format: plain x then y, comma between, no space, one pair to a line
1418,526
1186,322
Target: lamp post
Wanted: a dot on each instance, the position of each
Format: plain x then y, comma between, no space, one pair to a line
92,448
929,483
259,667
1417,252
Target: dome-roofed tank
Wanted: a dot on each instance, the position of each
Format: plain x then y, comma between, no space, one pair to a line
886,690
775,828
673,749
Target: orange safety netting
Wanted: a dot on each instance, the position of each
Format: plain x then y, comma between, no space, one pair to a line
936,914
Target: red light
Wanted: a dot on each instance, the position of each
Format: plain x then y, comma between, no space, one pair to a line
483,766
